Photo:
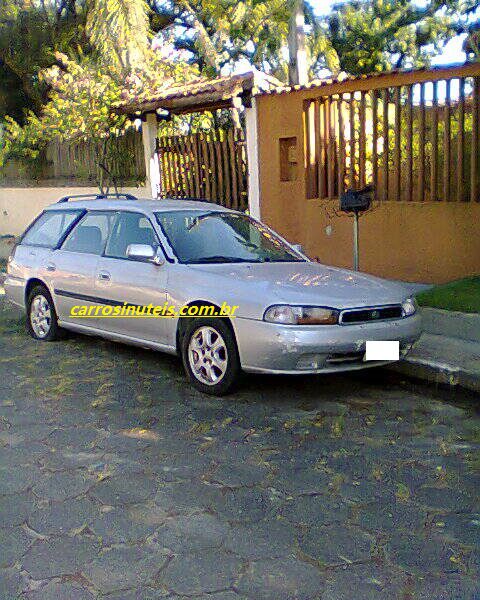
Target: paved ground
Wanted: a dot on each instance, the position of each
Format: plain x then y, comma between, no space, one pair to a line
119,481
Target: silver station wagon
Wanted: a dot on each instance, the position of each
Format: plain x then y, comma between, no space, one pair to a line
235,295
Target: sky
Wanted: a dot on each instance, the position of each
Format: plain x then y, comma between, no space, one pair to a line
451,52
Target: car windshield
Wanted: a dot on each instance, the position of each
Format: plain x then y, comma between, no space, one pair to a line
222,237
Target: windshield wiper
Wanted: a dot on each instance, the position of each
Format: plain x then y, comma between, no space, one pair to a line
221,259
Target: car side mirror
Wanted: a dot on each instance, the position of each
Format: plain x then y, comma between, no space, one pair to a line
142,252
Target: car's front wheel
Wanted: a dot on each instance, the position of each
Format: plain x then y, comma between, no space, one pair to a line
210,356
42,321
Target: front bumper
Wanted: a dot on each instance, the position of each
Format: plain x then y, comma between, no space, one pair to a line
290,349
15,291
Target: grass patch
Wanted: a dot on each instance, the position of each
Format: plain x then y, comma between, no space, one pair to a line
3,264
462,295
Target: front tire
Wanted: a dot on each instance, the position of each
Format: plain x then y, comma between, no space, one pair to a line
42,322
210,356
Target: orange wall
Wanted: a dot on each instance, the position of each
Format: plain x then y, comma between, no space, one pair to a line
412,241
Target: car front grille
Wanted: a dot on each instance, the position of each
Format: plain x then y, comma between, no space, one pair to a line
368,315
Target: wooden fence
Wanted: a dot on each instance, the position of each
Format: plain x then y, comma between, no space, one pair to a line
80,161
414,136
209,165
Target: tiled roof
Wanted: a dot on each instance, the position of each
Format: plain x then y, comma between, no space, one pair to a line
197,91
209,94
319,83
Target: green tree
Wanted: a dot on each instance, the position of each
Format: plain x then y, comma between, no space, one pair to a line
82,89
219,33
119,30
375,35
29,33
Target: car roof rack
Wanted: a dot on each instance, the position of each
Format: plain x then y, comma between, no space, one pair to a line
98,197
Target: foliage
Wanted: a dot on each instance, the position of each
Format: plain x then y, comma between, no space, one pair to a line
119,30
29,33
220,33
375,35
82,91
357,36
69,60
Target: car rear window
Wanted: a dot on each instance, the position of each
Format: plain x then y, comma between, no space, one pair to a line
49,228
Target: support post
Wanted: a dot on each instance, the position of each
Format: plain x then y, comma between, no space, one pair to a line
251,121
355,241
152,165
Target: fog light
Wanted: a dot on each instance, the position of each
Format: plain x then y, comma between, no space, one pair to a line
308,362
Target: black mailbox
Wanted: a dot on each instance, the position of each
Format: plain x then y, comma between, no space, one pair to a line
356,200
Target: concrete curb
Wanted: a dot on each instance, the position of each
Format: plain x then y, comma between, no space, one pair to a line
464,326
440,359
437,372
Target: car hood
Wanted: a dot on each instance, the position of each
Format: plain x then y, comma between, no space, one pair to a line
303,282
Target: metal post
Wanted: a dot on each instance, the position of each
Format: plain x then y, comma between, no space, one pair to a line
355,241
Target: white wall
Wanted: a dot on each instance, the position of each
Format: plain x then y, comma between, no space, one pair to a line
20,205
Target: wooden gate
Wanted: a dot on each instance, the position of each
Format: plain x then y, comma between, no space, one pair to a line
210,166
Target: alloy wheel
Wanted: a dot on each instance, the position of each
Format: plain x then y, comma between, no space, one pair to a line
207,355
40,316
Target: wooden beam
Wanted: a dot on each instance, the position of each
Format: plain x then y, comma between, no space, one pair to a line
446,144
362,137
460,139
409,149
330,148
421,141
474,166
434,158
341,147
385,131
353,180
374,141
398,145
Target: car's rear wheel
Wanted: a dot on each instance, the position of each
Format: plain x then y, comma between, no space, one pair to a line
42,323
210,356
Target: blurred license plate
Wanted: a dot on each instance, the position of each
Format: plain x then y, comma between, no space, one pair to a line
379,350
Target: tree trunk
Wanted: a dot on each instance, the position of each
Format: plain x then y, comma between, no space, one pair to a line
297,64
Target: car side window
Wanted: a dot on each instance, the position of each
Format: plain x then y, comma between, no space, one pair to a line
130,228
49,228
89,236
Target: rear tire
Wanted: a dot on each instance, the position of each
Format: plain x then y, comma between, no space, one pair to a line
42,322
210,356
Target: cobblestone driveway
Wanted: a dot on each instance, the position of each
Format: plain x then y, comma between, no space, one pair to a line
118,480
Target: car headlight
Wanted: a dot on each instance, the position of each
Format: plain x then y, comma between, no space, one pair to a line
301,315
409,307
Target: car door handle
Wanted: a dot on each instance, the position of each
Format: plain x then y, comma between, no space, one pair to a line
104,276
51,267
